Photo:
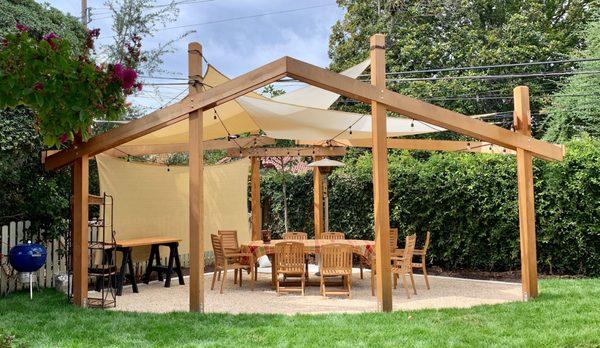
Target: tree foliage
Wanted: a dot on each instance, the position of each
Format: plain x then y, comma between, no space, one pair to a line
427,34
574,110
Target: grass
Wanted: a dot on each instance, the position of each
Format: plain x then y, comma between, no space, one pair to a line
567,313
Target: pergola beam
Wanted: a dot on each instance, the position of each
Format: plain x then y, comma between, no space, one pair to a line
315,76
420,110
172,114
423,145
331,151
217,144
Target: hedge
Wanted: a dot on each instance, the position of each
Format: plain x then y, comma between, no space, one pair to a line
469,204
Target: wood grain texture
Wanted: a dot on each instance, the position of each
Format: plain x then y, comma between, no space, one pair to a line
318,200
79,238
196,189
380,178
527,233
255,199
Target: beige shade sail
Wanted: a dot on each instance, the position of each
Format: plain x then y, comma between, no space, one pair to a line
150,200
300,115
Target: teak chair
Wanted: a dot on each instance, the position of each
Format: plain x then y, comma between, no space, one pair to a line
333,235
409,239
231,245
225,261
298,236
295,236
289,262
393,249
423,262
403,265
336,260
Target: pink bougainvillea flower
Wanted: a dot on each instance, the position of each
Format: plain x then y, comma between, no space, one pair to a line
138,86
63,138
129,77
50,38
21,27
38,86
118,70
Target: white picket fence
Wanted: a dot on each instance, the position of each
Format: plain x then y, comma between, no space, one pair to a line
13,234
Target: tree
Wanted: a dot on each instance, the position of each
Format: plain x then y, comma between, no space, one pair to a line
427,34
574,109
27,191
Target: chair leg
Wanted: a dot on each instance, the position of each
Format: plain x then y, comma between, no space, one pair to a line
350,287
412,281
404,285
255,272
303,281
425,272
252,277
395,277
214,277
235,273
362,266
240,275
322,286
223,279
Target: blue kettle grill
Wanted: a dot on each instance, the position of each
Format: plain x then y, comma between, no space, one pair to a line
27,258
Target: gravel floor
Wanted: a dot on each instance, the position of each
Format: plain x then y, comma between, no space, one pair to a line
445,292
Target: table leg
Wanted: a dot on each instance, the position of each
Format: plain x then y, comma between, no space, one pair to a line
158,263
122,272
178,265
169,267
132,274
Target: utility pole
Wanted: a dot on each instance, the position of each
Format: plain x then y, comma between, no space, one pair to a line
84,12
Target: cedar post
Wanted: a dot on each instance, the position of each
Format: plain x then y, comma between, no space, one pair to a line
522,124
196,183
255,197
380,178
79,232
318,200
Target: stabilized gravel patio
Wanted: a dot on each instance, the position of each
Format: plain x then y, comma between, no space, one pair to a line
445,293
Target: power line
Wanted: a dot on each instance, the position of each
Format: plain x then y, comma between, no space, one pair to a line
495,77
484,67
247,17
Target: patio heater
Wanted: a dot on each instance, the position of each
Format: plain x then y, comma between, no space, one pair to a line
325,166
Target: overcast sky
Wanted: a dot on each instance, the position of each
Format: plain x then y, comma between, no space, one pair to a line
234,46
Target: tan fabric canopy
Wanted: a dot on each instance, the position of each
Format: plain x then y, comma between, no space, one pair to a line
299,115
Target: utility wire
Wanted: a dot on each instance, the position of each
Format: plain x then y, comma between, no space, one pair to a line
484,67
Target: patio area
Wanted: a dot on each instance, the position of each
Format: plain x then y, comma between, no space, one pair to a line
445,293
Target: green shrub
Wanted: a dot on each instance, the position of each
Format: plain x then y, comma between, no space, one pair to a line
469,203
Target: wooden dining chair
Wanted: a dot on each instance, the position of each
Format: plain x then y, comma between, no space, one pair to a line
336,261
295,236
393,250
231,245
422,263
225,261
394,260
298,236
333,235
402,265
289,262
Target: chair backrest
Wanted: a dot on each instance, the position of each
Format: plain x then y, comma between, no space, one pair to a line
218,249
333,235
295,236
409,248
426,242
289,256
393,239
230,240
336,257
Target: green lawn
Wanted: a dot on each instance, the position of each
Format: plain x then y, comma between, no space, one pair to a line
567,313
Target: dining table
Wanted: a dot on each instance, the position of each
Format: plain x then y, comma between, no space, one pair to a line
363,248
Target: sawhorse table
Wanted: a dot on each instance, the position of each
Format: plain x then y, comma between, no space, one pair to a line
154,264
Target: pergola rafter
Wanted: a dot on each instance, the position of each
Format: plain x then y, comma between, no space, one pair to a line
381,100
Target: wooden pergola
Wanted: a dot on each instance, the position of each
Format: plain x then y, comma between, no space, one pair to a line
382,100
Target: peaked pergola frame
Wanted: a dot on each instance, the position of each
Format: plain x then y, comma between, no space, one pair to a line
381,100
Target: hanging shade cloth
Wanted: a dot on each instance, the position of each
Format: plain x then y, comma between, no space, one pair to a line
300,115
286,121
150,201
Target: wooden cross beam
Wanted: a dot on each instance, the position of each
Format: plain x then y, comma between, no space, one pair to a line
423,145
315,76
322,151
